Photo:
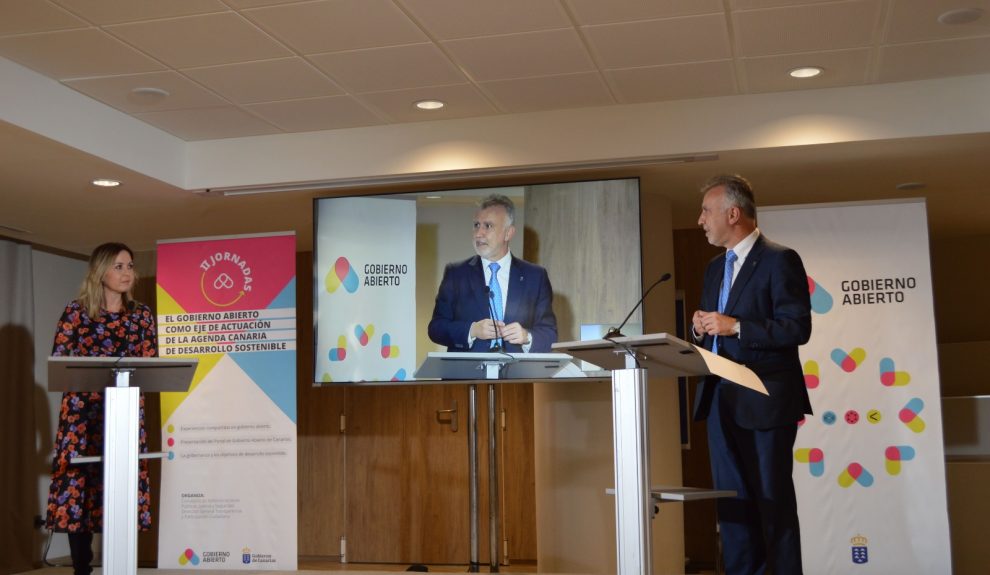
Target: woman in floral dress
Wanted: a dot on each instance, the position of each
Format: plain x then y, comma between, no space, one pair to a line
104,321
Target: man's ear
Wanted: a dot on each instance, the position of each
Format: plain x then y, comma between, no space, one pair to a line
509,232
734,213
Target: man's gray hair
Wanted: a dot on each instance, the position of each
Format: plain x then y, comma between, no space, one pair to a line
499,200
738,192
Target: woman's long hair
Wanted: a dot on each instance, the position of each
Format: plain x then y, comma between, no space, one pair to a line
100,261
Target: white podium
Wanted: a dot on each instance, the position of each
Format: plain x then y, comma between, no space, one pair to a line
121,380
468,366
631,359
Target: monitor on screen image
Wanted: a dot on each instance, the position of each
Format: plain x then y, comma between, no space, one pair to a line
380,260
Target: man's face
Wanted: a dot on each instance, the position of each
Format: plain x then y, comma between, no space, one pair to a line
492,232
716,217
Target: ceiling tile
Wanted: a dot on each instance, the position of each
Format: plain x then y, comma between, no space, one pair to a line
450,19
257,3
208,123
757,4
960,57
550,92
20,17
316,114
391,68
205,40
116,91
675,82
657,42
841,68
463,101
598,12
547,53
331,26
914,20
103,12
265,81
75,54
807,28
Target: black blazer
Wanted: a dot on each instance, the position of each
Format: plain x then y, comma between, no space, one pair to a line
772,302
463,299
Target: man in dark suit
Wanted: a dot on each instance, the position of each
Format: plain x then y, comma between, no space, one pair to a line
494,297
759,319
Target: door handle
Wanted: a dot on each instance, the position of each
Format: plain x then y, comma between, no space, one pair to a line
451,420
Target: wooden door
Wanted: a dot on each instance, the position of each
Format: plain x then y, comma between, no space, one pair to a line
407,475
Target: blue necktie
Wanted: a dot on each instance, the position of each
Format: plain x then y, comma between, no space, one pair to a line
496,291
723,292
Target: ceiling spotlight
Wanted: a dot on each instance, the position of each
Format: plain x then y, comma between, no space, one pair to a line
430,104
106,183
805,72
960,16
147,96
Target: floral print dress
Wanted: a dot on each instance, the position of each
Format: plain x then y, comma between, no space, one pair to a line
75,498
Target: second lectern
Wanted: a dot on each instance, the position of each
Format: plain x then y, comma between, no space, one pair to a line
121,380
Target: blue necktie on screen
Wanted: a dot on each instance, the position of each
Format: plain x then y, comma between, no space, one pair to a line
496,291
723,292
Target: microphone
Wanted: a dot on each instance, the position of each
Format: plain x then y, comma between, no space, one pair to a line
491,314
617,331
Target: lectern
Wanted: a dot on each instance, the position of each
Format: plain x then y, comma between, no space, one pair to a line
469,366
630,359
121,380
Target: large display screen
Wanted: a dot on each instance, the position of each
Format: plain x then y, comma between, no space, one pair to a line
398,277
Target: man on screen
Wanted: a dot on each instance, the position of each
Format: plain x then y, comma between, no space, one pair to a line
494,301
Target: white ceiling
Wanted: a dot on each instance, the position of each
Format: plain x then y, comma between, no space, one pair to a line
236,69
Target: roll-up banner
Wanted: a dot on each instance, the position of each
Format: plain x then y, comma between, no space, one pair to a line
366,290
228,497
869,464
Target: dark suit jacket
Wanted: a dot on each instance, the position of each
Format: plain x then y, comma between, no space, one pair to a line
463,299
771,300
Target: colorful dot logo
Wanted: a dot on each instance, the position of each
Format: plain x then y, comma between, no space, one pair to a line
855,473
342,274
821,300
364,333
811,375
874,416
814,457
399,375
848,361
388,350
828,418
852,417
895,454
326,378
889,376
170,441
188,557
909,415
339,353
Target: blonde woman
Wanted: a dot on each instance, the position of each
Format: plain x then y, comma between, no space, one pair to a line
104,321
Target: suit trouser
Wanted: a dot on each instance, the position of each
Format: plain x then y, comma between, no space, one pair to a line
759,527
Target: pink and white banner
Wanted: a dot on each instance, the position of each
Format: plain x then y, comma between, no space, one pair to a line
869,464
228,497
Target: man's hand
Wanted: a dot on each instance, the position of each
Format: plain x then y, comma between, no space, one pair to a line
484,329
514,333
713,323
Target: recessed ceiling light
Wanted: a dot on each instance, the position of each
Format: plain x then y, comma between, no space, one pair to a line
430,104
433,197
906,186
106,183
146,96
960,16
805,72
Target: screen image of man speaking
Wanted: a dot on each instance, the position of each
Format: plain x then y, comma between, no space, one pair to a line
494,301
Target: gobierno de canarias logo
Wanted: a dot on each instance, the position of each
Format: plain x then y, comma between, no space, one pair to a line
342,274
225,279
